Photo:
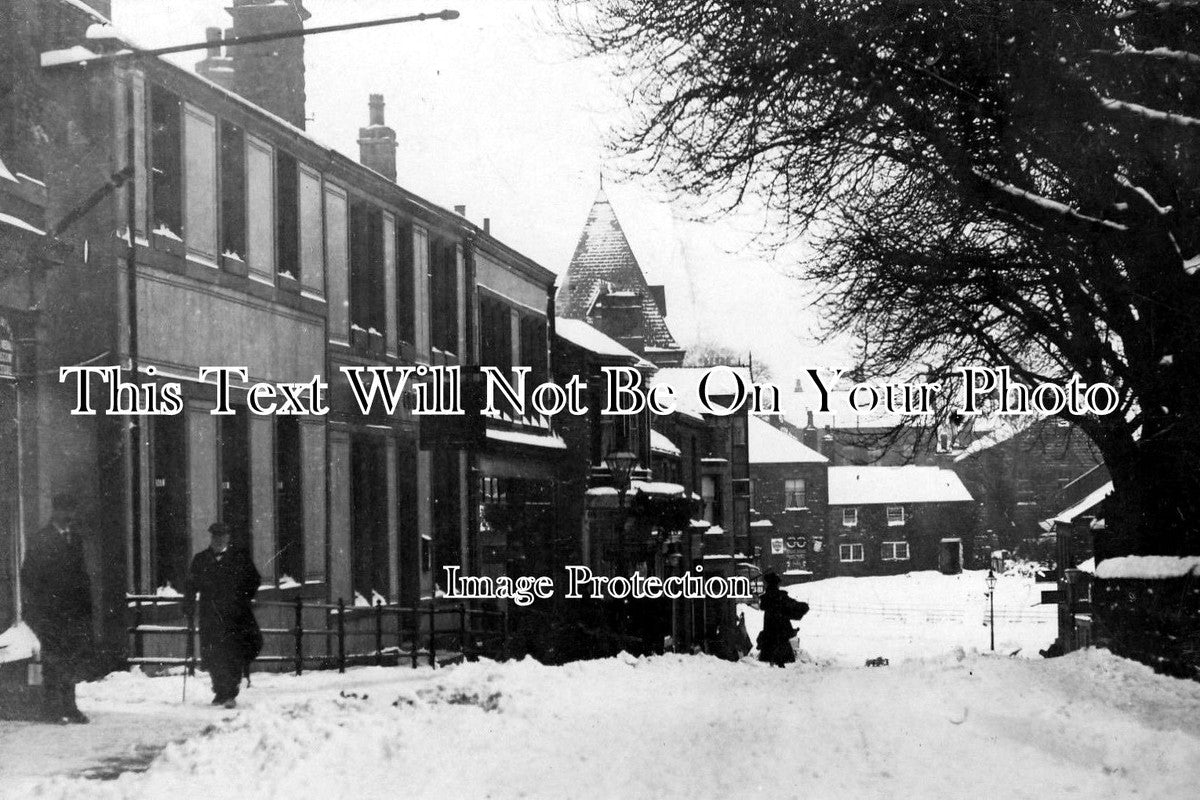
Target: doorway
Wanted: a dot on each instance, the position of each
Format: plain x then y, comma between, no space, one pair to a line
950,556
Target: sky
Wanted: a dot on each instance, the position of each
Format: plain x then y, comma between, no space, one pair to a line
496,111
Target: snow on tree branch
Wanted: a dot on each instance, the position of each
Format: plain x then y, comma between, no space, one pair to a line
1146,197
1046,204
1149,113
1161,53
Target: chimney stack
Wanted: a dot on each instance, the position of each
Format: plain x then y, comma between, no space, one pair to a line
487,226
377,142
217,66
269,74
213,37
460,210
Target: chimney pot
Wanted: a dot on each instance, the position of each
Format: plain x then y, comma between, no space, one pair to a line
376,105
213,37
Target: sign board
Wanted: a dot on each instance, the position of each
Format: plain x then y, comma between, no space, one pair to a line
7,351
776,547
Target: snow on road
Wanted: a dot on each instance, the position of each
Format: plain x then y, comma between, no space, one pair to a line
918,615
1089,725
943,720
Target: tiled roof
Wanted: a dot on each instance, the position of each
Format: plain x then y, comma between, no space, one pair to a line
604,262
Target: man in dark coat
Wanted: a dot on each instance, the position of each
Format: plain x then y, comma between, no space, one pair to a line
774,641
57,599
225,578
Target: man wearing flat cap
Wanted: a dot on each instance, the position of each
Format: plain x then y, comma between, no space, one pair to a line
225,578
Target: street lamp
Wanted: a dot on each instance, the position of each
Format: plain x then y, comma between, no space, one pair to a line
991,584
621,463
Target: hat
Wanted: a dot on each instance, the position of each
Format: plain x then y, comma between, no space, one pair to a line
218,529
64,502
771,579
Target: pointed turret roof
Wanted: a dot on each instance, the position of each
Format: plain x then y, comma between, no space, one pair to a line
604,262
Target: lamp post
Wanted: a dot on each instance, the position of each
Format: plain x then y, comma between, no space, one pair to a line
621,463
991,584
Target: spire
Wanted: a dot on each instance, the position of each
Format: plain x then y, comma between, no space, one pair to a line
604,265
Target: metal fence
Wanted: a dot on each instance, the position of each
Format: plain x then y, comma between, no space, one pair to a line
306,634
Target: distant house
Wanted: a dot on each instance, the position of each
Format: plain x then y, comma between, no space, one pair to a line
1074,529
889,520
1017,473
788,501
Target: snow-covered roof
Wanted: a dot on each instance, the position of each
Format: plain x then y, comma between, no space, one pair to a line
1086,504
769,445
657,488
861,486
661,444
87,9
762,523
581,334
1004,429
604,264
795,407
1148,567
554,442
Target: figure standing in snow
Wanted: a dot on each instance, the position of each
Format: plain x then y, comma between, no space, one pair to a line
225,578
774,641
57,593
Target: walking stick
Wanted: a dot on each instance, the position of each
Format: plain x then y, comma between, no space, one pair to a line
189,653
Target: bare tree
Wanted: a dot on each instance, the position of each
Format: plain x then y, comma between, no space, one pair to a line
707,353
1003,182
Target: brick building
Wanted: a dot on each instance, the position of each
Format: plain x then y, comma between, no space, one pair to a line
1017,472
790,494
891,520
155,221
594,505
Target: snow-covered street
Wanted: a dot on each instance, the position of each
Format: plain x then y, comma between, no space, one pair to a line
919,615
1088,724
943,719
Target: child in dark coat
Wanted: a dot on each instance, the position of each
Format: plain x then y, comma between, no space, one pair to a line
774,641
